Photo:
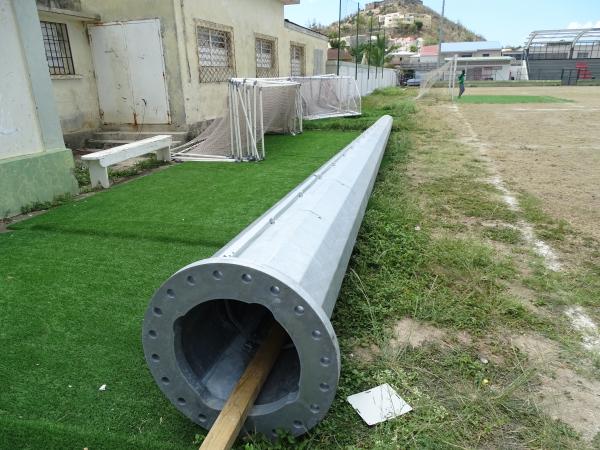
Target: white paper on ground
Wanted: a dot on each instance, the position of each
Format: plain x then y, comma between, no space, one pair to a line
379,404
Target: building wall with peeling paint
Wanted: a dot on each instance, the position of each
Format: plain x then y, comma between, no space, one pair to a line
76,95
205,101
191,102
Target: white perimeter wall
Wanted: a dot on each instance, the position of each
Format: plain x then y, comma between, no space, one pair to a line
368,80
20,132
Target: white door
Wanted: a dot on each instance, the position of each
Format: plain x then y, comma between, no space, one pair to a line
130,72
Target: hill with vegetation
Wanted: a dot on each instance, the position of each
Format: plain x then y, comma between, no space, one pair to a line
453,31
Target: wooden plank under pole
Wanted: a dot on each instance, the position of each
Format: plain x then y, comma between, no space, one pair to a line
226,428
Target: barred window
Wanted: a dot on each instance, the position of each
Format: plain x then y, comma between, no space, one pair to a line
215,53
266,58
58,48
297,61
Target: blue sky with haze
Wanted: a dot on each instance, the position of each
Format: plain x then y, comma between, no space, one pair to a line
507,21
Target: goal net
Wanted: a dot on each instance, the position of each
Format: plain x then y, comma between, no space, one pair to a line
329,96
447,72
257,106
254,107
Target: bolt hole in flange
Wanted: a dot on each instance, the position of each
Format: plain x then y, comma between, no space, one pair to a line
216,340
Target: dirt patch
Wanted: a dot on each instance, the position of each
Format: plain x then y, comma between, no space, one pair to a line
539,349
366,354
405,333
409,332
551,152
562,394
572,399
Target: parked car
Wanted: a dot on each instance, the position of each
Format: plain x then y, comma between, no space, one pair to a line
413,82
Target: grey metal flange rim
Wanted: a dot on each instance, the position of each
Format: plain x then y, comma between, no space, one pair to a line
190,304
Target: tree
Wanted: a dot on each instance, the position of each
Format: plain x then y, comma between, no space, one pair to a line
378,53
359,51
419,25
413,48
336,42
315,26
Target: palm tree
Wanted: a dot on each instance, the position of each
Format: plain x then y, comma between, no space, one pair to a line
379,52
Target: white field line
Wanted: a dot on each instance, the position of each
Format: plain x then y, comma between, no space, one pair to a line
556,109
586,326
540,247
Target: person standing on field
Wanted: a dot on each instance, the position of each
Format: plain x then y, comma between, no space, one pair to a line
461,84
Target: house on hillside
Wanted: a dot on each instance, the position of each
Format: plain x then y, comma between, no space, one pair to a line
149,66
397,19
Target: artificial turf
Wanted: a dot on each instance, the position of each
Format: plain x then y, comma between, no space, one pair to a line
511,99
75,282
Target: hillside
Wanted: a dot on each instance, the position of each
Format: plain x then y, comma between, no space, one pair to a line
453,31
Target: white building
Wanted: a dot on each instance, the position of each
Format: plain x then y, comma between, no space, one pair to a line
397,19
163,65
482,49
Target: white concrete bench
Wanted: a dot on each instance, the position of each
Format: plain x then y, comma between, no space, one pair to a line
98,162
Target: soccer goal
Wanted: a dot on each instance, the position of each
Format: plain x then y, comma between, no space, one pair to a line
446,72
254,107
257,106
326,96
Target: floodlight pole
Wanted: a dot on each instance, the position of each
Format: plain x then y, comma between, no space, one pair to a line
370,44
441,34
339,38
356,48
383,56
378,31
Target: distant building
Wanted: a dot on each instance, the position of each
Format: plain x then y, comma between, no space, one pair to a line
362,39
396,19
373,5
399,56
515,53
332,54
429,54
566,55
483,49
406,43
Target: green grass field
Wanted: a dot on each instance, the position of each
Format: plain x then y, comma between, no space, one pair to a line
76,282
510,99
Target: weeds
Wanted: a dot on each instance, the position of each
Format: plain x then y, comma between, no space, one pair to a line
40,206
82,174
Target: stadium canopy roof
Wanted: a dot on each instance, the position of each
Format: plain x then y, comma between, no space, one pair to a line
569,36
458,47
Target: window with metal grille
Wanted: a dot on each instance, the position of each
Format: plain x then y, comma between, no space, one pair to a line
266,58
215,54
58,48
297,60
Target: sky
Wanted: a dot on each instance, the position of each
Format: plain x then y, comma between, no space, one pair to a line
506,21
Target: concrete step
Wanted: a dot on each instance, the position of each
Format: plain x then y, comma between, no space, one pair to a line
137,135
109,143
